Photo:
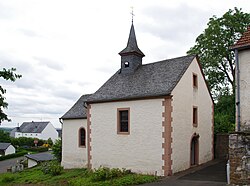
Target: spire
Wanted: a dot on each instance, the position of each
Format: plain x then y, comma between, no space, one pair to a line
131,56
132,46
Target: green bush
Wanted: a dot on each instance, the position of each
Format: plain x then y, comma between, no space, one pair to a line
50,142
53,168
38,149
9,156
26,142
57,150
104,173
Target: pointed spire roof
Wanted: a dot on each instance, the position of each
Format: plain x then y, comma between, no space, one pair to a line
132,46
244,41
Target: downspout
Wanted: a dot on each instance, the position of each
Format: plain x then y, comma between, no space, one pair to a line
237,89
60,120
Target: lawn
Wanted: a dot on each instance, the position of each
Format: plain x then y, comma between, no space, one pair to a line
74,177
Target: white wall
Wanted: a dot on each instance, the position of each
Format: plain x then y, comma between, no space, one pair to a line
184,98
244,62
31,163
141,150
10,150
73,156
49,132
28,135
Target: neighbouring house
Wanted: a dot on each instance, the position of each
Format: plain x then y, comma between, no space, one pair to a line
239,141
6,148
40,130
59,130
154,118
35,159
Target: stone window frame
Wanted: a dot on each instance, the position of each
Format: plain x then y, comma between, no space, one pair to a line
81,143
119,122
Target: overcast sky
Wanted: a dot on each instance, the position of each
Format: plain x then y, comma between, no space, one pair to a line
66,48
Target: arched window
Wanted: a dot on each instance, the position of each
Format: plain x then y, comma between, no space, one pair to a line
82,137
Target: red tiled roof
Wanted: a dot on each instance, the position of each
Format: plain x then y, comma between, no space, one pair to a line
244,41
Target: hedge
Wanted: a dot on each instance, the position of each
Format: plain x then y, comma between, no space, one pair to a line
9,156
38,149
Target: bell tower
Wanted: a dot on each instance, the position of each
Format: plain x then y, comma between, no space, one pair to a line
131,56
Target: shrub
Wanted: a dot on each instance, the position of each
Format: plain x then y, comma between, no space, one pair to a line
9,156
50,142
53,168
26,142
38,149
57,150
104,173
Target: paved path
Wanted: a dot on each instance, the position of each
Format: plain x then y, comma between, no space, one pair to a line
5,164
210,174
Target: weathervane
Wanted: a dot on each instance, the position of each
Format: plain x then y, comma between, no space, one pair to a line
132,13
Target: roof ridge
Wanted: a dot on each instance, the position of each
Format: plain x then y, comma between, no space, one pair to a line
176,58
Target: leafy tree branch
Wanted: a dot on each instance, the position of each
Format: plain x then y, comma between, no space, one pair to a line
7,74
212,47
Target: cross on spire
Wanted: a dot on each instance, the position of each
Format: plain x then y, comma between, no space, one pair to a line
132,13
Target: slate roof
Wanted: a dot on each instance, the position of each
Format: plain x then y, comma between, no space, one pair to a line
4,146
33,127
77,111
41,157
149,80
132,46
244,41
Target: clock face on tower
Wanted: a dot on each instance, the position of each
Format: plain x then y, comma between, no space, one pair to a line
126,64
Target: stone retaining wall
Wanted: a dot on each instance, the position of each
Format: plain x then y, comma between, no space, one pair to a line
239,157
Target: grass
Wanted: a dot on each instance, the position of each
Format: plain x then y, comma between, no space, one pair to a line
73,177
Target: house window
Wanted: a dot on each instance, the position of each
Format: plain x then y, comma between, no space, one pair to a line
82,137
195,116
123,121
195,81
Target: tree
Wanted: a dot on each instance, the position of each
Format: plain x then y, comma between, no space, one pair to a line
57,150
224,117
212,47
4,136
7,74
50,142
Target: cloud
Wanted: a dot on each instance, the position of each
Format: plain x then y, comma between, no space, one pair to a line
9,60
49,63
6,12
173,23
29,33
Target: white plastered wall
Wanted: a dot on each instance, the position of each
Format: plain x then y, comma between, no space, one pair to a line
28,135
141,150
31,163
184,98
244,64
73,156
49,132
10,150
